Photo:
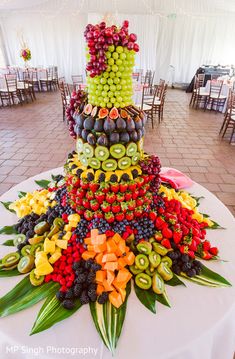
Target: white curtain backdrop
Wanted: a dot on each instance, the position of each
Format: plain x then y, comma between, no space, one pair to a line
170,37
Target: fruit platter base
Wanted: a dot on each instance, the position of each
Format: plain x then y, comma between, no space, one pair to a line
202,323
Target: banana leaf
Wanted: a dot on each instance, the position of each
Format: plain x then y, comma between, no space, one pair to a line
147,298
43,183
9,273
163,299
24,295
7,205
175,281
8,230
51,313
21,194
9,243
109,320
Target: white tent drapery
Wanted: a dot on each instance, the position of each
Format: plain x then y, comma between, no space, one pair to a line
182,35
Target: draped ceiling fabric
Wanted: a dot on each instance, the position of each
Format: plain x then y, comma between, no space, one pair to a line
180,33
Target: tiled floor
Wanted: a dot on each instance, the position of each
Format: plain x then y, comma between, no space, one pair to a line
33,139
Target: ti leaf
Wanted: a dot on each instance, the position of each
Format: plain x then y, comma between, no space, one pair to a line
43,183
147,298
24,295
8,230
175,281
215,226
109,320
6,205
21,194
163,299
51,313
9,273
197,199
9,243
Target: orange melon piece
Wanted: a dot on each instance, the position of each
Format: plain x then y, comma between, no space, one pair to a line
115,298
123,275
99,289
100,276
94,233
117,238
90,247
87,255
121,248
108,287
111,266
100,239
98,248
110,277
111,246
121,263
109,257
119,285
130,258
122,291
98,258
87,240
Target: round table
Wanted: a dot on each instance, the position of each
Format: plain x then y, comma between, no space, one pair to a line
200,324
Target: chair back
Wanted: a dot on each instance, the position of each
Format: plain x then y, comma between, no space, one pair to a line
231,103
214,77
163,94
50,73
55,73
215,88
11,82
135,76
64,92
201,79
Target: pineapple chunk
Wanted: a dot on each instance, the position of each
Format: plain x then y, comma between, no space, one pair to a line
55,236
74,217
44,269
41,257
62,243
55,257
67,236
67,228
49,246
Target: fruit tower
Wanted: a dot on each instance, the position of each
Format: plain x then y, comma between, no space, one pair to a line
109,131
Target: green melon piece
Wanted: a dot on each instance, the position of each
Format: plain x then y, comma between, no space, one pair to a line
117,150
102,153
94,163
79,145
135,159
124,163
83,160
131,149
88,150
109,165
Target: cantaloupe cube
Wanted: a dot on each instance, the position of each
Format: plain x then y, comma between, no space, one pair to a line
99,258
100,239
117,284
87,255
107,286
123,275
98,248
111,246
100,276
109,257
87,240
99,289
117,238
129,258
111,266
90,247
122,291
121,263
115,298
110,277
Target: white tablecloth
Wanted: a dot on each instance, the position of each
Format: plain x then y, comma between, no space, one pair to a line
200,324
224,92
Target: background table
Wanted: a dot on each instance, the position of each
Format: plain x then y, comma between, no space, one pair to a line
224,92
200,324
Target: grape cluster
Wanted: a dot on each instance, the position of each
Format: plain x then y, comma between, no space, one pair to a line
151,165
181,262
76,102
158,202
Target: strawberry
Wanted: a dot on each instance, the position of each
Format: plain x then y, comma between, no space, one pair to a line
110,197
119,216
75,181
206,246
159,223
177,236
120,197
124,207
90,195
193,246
88,215
105,206
206,255
109,216
183,249
132,186
158,236
94,186
191,254
138,211
152,215
139,201
135,194
131,205
78,201
100,196
94,205
81,193
109,233
128,196
142,191
214,251
116,207
139,182
166,243
129,215
146,178
98,214
86,203
84,184
123,187
114,187
104,187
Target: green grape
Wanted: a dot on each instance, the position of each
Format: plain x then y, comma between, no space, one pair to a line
118,74
103,81
112,87
118,62
109,104
118,87
123,55
119,49
115,68
115,55
108,55
113,99
117,104
104,93
117,93
126,50
105,75
106,99
111,48
122,104
112,75
108,69
111,61
100,87
110,81
119,99
100,99
110,94
123,82
96,80
116,80
121,68
106,87
103,104
97,92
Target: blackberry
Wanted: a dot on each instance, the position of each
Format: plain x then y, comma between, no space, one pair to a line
81,278
76,265
70,155
92,294
197,263
125,177
95,267
103,298
69,294
101,177
176,269
68,304
186,266
91,277
90,177
79,172
88,263
191,273
60,296
134,174
185,258
84,299
113,178
77,290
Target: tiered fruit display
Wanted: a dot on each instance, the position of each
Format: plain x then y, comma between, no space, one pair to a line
85,236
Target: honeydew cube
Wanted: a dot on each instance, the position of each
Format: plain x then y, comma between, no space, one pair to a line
61,243
49,246
55,256
67,236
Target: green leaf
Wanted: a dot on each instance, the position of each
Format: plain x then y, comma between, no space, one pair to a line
9,273
215,226
198,199
8,230
175,281
9,243
109,320
24,295
6,205
147,298
21,194
43,183
163,299
51,313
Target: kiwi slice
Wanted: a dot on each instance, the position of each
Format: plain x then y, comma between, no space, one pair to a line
117,150
124,163
167,260
88,150
164,271
26,264
150,271
102,153
143,281
36,280
36,248
158,285
10,268
36,239
135,159
134,269
41,227
79,145
94,163
144,247
11,259
131,149
141,261
83,160
155,259
109,165
26,250
20,238
158,248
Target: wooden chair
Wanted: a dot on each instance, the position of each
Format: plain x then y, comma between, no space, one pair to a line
158,105
10,93
65,96
199,99
25,87
77,81
47,80
201,78
148,108
55,80
230,120
215,99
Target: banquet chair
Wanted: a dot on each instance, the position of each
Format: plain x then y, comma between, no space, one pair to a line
10,93
25,87
230,121
35,82
77,81
47,80
158,105
55,80
148,108
201,78
201,96
215,99
65,96
226,114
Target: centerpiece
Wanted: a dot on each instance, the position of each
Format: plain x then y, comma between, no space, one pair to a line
85,236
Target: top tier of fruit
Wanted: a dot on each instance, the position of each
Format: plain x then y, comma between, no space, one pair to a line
111,57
